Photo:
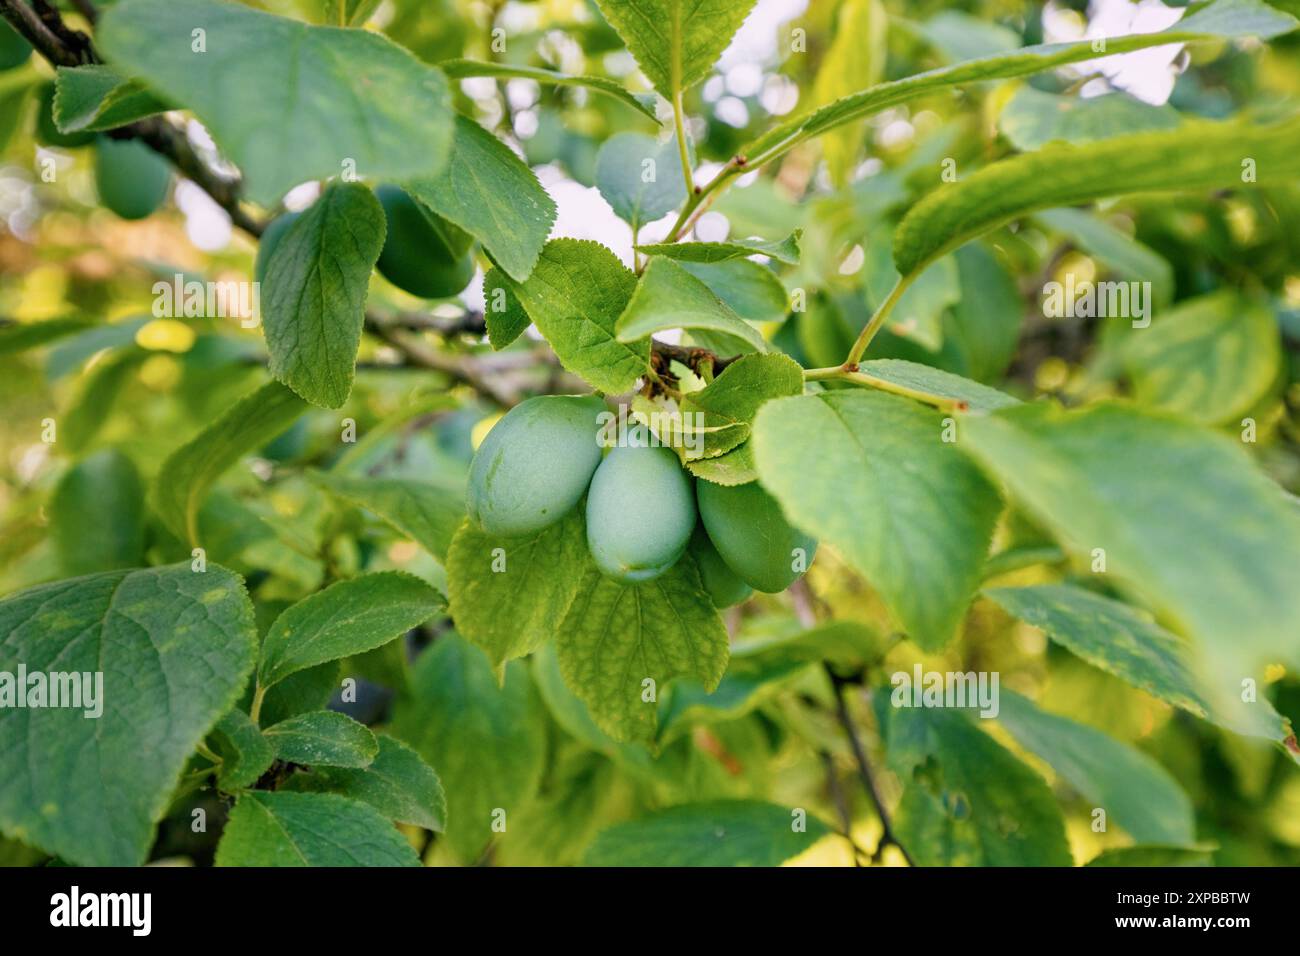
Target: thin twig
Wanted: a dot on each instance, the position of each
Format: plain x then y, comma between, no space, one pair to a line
887,836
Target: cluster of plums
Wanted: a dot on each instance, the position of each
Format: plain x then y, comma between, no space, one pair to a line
539,460
423,253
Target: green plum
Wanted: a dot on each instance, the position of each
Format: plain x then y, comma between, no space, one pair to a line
535,464
751,534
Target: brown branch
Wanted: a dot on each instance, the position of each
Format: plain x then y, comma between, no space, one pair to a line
35,31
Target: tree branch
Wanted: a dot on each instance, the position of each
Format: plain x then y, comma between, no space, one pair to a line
37,32
887,836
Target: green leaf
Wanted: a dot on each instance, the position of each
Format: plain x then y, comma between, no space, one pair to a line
504,317
984,325
104,493
316,284
854,59
1125,257
640,177
669,297
936,381
286,101
725,833
748,684
675,42
847,467
97,395
1125,642
323,737
309,829
967,800
245,753
753,291
1194,156
488,741
399,784
736,467
18,337
425,512
174,648
1153,856
346,618
97,97
190,470
574,296
1210,359
349,13
1222,18
618,637
919,311
508,595
459,69
1032,118
729,403
488,191
782,250
1134,790
1211,546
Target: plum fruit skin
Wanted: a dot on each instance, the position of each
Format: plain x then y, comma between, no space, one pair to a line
423,254
751,534
723,584
640,513
131,178
534,465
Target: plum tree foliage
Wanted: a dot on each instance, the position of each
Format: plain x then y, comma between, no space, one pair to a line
555,433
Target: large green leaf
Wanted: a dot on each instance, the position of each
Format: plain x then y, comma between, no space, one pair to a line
102,492
1125,642
398,783
285,100
640,177
488,741
1134,790
574,296
488,191
669,297
967,800
725,833
752,290
983,327
1209,359
174,648
1222,18
310,829
315,302
323,737
456,69
426,512
676,42
98,97
1194,156
190,470
1033,118
344,619
871,474
934,381
1211,545
508,595
621,644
